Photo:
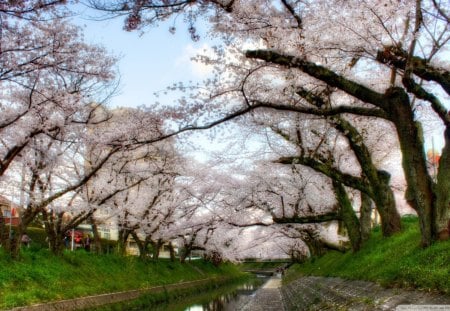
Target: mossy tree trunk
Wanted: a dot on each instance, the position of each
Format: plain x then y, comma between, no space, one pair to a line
3,233
96,236
377,186
312,241
365,217
443,192
143,245
348,216
188,246
122,241
171,251
419,192
156,248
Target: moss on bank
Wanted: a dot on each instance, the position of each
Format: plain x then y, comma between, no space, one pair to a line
39,276
395,261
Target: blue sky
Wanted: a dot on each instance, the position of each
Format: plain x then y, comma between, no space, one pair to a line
148,62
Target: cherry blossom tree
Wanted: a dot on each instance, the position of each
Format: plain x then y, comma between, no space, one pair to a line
393,100
53,174
331,149
137,180
401,44
48,78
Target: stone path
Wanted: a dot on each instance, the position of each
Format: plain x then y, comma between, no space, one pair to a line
320,293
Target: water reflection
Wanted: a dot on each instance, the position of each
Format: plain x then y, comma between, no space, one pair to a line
223,298
229,300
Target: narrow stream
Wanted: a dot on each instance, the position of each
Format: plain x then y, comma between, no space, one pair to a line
227,300
224,298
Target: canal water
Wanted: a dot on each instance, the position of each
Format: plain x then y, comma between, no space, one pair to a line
223,298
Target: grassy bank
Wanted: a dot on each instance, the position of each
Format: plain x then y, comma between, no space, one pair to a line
40,276
394,261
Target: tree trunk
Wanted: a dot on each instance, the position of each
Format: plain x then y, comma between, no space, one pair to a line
314,245
171,252
55,234
56,243
96,236
156,248
26,218
365,218
378,181
419,193
348,216
3,232
385,204
184,253
122,241
142,245
442,206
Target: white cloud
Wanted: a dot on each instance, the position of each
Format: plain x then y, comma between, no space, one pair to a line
197,69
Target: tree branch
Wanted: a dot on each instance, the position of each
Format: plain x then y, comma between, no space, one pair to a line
333,173
421,93
312,219
397,58
352,88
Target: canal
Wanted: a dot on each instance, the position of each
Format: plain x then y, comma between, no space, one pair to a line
223,298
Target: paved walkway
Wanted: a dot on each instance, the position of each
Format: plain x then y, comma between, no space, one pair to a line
267,298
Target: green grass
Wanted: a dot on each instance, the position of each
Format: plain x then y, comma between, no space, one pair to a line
39,276
394,261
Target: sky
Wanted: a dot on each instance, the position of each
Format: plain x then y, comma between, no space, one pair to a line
148,62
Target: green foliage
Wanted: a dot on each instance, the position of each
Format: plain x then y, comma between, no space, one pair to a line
40,276
38,237
395,261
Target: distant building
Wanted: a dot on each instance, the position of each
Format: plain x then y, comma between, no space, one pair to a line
10,212
164,252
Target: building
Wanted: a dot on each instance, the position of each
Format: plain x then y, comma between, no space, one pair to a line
10,212
164,252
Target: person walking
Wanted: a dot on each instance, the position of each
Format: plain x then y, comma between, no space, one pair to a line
87,243
25,239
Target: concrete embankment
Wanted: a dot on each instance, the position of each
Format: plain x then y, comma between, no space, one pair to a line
321,293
